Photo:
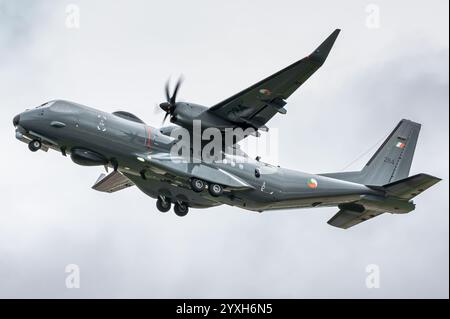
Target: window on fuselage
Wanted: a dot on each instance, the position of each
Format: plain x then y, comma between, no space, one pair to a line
64,107
46,104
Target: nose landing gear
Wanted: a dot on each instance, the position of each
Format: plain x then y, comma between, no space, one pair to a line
35,145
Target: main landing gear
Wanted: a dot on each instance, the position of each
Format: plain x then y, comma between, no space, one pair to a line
199,185
215,190
35,145
180,208
163,205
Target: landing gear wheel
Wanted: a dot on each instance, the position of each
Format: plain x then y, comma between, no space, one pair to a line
197,185
215,190
35,145
163,205
181,209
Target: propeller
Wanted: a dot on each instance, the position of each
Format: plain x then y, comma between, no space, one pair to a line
171,100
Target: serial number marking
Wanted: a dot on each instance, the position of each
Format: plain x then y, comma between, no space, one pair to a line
389,160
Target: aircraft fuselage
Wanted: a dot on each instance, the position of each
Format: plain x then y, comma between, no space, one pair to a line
116,141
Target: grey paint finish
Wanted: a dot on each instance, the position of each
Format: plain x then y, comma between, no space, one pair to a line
142,154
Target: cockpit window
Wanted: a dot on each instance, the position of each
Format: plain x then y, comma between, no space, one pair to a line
64,107
46,104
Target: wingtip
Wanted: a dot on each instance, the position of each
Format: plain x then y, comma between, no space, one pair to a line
321,53
435,178
411,122
334,35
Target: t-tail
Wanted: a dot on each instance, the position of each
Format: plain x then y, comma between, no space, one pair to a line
388,172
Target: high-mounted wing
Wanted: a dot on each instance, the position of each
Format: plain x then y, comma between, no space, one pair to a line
256,105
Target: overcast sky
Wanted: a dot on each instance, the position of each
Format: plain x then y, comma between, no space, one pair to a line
120,57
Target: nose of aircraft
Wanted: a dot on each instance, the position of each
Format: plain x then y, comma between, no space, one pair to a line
16,120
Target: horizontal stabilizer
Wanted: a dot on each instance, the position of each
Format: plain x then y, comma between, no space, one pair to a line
410,187
112,183
347,218
397,200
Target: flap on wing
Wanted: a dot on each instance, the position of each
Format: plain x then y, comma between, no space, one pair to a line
348,218
412,186
112,183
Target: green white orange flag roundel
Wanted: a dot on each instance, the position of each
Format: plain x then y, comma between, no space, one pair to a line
265,92
312,183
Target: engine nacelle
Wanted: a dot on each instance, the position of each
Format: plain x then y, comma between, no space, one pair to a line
185,114
86,157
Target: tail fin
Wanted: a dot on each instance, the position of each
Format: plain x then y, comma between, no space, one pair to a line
393,159
387,171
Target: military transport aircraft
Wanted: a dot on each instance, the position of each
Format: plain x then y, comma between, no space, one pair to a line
141,155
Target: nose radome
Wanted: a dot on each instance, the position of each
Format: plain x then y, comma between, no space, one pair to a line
16,120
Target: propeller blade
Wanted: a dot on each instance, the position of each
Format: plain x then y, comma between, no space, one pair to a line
167,91
165,118
173,99
170,104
